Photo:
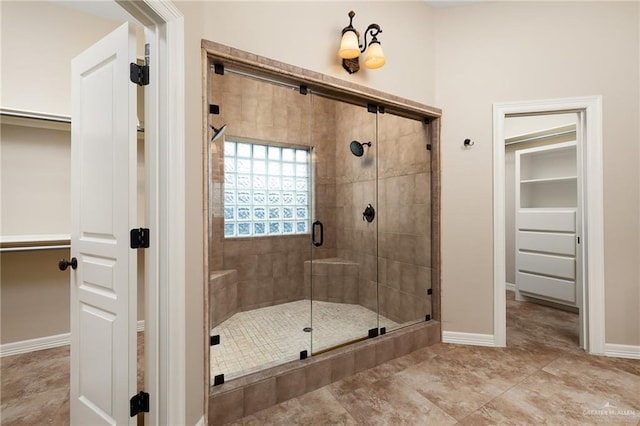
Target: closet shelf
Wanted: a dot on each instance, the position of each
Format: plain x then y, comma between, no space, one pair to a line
35,119
551,179
546,209
12,243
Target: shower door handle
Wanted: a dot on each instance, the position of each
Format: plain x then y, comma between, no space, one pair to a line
369,213
313,233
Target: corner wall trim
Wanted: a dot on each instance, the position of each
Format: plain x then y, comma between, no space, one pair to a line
622,351
510,286
468,338
37,344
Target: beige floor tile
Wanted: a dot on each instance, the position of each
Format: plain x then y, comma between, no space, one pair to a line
390,402
544,398
453,386
315,408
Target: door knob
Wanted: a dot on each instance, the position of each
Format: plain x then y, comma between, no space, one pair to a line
64,264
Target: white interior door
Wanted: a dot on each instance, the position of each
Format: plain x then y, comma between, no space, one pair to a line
103,210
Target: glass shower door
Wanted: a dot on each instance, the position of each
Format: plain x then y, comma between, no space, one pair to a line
259,216
342,272
404,194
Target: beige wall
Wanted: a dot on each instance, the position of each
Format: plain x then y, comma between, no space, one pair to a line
495,52
34,295
35,177
38,41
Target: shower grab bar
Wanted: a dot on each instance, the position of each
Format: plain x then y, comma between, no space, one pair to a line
313,233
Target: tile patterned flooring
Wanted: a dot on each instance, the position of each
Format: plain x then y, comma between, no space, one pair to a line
542,377
265,337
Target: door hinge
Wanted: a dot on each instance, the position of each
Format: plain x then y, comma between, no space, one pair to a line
139,238
139,74
139,404
218,380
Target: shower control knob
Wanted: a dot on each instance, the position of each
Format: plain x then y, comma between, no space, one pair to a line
64,264
369,213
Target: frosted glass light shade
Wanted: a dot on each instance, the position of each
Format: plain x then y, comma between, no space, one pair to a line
374,58
349,47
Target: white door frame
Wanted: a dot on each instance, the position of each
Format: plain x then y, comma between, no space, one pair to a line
590,109
165,308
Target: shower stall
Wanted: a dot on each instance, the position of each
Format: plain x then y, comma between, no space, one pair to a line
319,218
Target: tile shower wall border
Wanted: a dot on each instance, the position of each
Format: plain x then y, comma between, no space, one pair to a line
247,395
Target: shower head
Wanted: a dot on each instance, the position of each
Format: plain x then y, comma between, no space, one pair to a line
218,132
357,148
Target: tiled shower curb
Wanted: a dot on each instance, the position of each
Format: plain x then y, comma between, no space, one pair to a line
246,395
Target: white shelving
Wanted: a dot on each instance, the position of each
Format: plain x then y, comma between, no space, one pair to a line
13,243
36,157
550,179
547,223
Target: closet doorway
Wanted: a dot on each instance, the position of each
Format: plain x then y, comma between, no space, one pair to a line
538,246
542,216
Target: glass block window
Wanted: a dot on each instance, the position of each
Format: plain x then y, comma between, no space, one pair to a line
266,190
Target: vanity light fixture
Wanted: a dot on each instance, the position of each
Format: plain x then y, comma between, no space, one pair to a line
350,47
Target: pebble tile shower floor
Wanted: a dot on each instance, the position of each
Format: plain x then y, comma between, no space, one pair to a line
265,337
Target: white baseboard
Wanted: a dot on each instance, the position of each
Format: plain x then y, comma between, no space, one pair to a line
622,351
40,343
201,422
510,286
468,338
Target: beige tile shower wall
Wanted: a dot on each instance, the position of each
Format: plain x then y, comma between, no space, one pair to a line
334,280
404,206
223,294
401,233
323,138
355,188
270,270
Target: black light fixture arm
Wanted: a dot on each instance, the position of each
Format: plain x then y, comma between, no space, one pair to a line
374,30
